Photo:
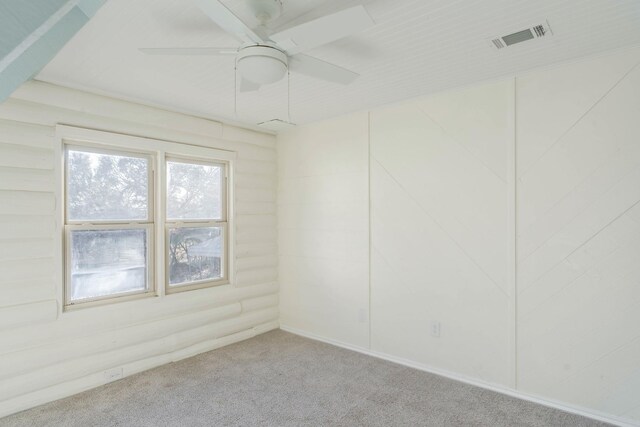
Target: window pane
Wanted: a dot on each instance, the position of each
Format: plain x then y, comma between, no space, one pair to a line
194,191
106,187
195,254
107,262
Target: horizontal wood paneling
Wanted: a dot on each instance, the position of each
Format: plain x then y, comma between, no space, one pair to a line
81,323
75,100
256,194
109,318
22,248
47,353
256,276
255,208
25,314
24,292
23,361
255,181
265,220
95,379
254,152
21,156
257,262
259,303
26,269
26,203
233,133
254,250
256,235
26,134
26,227
256,167
77,367
46,115
26,179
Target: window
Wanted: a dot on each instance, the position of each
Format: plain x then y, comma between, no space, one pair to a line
146,221
108,224
196,224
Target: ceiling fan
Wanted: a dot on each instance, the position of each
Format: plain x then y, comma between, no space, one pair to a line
265,58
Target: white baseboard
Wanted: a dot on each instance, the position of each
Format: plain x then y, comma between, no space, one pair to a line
468,380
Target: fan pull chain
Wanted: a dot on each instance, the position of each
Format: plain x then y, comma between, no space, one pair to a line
235,91
288,96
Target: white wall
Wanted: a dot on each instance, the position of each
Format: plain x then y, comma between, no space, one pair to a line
46,353
324,228
579,233
510,213
439,231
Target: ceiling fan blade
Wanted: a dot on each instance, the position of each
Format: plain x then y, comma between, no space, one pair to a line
188,51
323,30
248,86
229,22
317,68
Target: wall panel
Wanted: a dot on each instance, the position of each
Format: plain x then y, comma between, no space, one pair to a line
579,234
509,212
439,231
323,229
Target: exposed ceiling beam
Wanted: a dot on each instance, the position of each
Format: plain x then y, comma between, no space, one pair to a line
39,31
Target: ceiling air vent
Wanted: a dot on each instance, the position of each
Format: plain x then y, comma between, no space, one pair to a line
533,32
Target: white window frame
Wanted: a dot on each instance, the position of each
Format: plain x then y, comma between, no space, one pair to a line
199,222
159,150
147,224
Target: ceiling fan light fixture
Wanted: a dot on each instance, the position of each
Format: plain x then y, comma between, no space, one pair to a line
262,65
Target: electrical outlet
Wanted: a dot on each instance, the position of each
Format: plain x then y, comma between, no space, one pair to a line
112,374
435,329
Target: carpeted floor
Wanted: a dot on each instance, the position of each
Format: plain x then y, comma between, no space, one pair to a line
280,379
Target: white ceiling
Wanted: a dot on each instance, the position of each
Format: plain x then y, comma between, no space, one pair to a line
417,47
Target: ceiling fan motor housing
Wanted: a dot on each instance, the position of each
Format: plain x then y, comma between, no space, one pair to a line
262,64
266,57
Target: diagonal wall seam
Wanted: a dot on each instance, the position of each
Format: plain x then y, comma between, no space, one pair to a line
600,230
405,191
461,145
582,117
